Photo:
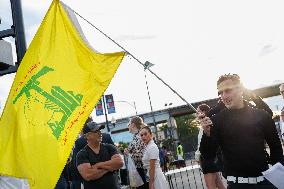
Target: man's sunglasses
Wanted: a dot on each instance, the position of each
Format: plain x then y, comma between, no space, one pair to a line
282,92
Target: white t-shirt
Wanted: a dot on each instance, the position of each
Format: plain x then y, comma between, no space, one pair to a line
151,152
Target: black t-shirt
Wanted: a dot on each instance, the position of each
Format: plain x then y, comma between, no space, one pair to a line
87,155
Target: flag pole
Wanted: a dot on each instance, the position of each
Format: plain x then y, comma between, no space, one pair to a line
140,62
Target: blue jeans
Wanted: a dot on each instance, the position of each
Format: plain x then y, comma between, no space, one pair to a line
76,184
62,183
262,185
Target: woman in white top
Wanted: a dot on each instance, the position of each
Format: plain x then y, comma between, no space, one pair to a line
151,161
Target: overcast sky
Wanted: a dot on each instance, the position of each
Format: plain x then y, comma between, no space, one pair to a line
190,42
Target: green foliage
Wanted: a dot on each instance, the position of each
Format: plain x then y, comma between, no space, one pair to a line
122,145
168,143
187,129
164,127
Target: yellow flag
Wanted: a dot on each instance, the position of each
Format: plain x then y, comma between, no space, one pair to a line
56,88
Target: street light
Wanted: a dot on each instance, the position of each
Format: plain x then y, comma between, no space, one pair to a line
104,105
172,145
132,105
167,105
147,65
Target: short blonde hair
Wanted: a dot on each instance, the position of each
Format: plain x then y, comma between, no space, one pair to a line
137,121
234,77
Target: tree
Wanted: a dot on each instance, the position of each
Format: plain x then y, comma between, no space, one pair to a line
122,145
168,142
187,129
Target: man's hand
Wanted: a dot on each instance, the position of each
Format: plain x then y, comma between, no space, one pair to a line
205,123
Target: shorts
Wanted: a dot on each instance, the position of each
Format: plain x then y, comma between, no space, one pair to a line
209,166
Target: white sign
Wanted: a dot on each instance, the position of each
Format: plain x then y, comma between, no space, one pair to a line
275,175
6,55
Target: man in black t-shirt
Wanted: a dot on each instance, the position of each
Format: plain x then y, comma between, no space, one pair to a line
80,143
97,162
240,131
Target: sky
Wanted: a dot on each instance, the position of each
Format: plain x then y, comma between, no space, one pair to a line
190,42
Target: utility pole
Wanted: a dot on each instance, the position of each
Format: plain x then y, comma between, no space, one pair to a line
153,115
104,104
17,31
170,126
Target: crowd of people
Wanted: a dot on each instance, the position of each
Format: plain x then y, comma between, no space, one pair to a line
97,163
232,143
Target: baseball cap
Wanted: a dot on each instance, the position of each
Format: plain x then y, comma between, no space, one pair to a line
92,126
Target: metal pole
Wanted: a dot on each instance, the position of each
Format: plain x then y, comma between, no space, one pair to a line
171,126
135,107
154,120
18,32
172,146
18,26
104,104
